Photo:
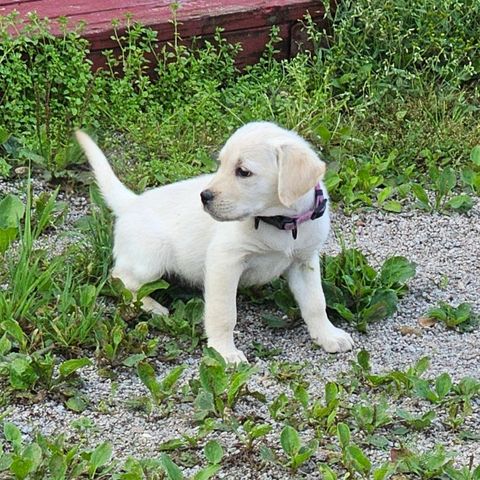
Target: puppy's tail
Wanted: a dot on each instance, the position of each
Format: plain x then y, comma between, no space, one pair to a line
116,194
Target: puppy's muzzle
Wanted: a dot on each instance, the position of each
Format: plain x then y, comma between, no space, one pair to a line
207,196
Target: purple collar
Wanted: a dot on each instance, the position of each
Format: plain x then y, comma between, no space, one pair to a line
291,223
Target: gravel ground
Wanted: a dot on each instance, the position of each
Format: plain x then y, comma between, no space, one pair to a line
447,253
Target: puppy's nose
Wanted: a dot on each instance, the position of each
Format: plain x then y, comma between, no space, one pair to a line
207,196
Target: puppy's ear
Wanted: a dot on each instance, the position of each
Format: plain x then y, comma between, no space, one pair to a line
299,170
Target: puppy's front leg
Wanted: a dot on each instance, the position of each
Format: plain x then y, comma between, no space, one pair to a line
221,281
305,283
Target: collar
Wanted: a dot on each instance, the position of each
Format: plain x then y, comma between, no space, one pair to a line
291,223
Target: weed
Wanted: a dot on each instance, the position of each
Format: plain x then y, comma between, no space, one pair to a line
296,454
286,372
52,457
461,318
353,458
357,293
52,90
261,351
184,324
160,391
443,183
251,432
369,417
11,212
219,388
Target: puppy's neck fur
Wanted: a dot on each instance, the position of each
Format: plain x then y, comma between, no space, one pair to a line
301,205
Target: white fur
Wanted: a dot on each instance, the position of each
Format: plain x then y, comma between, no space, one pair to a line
167,231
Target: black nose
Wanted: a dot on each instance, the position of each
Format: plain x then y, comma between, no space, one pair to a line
207,196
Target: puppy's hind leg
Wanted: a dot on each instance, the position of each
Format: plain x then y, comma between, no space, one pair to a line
133,284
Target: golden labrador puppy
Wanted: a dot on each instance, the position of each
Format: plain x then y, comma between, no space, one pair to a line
264,213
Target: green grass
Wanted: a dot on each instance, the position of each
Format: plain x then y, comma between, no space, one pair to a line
390,95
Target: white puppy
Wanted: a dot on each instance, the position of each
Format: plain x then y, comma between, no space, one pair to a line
264,171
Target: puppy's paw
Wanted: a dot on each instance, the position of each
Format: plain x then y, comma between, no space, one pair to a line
149,305
230,355
333,340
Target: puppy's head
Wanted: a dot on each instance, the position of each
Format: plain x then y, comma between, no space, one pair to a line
263,170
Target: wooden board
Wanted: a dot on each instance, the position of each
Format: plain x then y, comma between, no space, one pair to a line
244,21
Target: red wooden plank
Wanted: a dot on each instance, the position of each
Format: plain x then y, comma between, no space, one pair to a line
98,15
247,21
200,24
8,2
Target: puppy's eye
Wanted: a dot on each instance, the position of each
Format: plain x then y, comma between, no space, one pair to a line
242,172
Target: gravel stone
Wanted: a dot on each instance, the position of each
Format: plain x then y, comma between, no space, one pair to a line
446,249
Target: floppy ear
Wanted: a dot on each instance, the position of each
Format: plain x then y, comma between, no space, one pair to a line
299,170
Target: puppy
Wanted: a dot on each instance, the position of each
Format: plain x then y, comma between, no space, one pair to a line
248,223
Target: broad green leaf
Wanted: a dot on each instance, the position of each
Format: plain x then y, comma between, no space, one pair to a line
259,431
5,345
22,374
382,305
447,181
134,359
76,404
204,405
382,472
392,206
12,434
237,381
33,453
327,472
422,389
151,287
461,203
443,385
171,379
7,236
213,452
331,392
11,211
290,441
384,194
468,386
70,366
422,365
396,270
101,455
207,472
58,466
267,454
304,454
363,359
213,377
172,470
5,460
4,135
21,467
147,375
360,461
333,294
378,441
87,295
15,331
324,133
475,155
421,196
343,433
344,312
172,444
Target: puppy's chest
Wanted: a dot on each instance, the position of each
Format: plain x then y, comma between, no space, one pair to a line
263,268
